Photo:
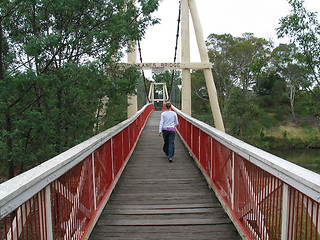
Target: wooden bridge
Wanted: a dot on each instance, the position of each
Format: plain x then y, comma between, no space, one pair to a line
156,199
119,185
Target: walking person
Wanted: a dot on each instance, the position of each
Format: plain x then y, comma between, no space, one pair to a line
167,128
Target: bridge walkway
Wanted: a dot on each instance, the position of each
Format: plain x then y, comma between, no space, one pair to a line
156,199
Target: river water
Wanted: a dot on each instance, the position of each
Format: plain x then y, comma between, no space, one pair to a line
309,158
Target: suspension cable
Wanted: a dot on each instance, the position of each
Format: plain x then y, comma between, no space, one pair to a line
143,76
176,49
174,60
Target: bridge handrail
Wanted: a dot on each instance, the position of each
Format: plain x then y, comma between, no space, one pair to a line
288,172
18,190
265,196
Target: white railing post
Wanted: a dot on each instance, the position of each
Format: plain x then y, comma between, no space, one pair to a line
94,182
129,138
41,218
232,182
285,212
48,213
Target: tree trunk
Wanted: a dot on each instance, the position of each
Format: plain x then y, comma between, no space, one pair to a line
292,96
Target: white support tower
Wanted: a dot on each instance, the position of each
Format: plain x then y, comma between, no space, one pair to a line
132,99
185,58
187,7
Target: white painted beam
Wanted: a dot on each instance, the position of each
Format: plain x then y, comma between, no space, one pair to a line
132,99
212,91
185,58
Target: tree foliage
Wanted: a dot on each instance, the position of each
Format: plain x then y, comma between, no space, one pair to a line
286,64
303,29
237,61
56,70
250,75
200,97
243,114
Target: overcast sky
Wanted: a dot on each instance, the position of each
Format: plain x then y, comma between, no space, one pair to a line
260,17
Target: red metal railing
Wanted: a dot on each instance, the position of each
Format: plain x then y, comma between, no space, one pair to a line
265,196
62,198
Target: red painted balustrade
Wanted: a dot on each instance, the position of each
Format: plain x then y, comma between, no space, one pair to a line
265,196
62,198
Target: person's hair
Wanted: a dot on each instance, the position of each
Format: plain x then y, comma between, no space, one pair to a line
168,105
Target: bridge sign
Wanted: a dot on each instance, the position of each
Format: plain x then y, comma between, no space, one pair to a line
150,66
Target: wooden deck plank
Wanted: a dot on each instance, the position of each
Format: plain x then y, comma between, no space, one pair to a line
156,199
201,232
160,211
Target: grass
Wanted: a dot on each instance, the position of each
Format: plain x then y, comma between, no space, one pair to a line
303,133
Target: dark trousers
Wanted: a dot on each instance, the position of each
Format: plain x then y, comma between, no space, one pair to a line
168,146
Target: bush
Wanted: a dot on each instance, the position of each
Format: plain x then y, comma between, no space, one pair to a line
242,114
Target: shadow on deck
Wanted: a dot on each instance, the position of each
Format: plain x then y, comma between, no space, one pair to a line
156,199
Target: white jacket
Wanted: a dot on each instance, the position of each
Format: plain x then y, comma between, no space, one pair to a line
168,121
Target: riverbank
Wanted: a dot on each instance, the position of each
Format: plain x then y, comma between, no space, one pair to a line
290,137
297,143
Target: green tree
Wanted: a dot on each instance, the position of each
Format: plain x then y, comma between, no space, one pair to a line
47,33
237,61
303,29
271,88
224,72
286,63
243,115
250,56
56,61
200,99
